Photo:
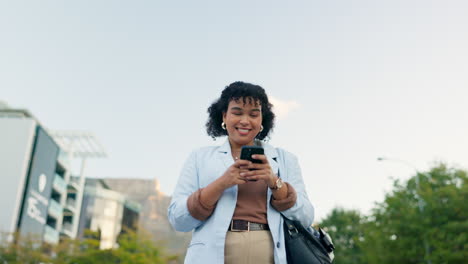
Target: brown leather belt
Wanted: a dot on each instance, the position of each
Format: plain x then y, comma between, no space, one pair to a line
242,225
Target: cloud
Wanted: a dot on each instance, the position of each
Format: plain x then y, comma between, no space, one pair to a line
282,108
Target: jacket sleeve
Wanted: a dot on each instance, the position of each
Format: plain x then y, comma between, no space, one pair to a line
198,209
178,213
286,203
302,210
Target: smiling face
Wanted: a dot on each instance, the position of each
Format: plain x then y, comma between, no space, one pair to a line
243,122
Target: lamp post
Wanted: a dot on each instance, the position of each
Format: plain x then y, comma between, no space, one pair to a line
418,198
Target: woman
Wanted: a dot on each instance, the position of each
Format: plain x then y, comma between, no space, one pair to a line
234,206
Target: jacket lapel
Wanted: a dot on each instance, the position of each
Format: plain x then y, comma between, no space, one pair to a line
224,152
271,153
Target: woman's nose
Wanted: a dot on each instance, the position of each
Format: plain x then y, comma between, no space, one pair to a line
244,119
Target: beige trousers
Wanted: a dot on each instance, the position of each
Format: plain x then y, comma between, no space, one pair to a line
248,247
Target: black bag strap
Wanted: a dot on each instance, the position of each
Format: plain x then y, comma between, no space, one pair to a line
295,227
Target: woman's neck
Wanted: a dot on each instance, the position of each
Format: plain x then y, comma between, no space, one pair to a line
236,148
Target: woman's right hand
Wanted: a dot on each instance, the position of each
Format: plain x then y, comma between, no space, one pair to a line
232,176
211,193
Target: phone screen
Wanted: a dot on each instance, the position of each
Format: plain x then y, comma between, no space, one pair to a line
248,151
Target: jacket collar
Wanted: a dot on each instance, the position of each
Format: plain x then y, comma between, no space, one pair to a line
270,151
225,151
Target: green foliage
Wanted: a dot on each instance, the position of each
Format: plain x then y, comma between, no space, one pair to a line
133,248
344,226
433,213
25,251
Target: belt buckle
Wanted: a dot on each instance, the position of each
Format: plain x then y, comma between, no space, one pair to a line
239,230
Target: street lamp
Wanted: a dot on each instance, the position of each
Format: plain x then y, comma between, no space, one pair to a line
418,198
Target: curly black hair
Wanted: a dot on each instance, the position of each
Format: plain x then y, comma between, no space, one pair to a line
236,91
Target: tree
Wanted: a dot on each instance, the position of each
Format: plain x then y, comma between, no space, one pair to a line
25,250
133,248
435,214
344,227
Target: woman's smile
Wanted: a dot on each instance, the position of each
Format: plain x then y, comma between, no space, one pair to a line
243,131
243,121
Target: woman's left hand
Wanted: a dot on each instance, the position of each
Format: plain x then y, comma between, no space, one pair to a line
260,171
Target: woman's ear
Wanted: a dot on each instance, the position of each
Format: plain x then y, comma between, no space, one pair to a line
224,117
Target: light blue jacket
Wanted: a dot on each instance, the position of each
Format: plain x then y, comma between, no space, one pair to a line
207,164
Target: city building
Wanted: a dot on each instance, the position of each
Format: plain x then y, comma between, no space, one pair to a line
153,215
107,212
39,195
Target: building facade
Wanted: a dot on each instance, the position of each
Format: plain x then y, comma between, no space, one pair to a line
107,212
42,191
39,196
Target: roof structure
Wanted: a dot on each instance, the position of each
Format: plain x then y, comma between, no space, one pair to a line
81,144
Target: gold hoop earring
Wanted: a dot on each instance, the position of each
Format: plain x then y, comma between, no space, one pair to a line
223,126
261,129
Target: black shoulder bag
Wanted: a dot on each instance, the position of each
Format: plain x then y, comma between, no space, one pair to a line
302,246
306,245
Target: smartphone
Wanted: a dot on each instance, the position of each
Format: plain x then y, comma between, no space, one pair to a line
248,151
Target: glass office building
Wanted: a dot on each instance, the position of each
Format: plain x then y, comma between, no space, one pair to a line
107,212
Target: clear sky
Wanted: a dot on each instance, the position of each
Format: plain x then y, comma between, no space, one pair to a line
353,80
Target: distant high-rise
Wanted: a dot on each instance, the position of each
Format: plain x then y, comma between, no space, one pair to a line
38,194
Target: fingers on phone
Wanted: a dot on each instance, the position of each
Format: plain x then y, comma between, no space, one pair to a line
256,166
263,158
241,163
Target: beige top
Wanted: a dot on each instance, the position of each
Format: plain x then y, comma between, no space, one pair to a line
250,206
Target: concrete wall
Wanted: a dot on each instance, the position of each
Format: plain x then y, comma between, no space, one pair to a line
16,143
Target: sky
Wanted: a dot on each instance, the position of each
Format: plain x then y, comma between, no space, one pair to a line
350,80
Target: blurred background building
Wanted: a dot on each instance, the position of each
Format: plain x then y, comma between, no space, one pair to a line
42,189
107,212
35,176
153,215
